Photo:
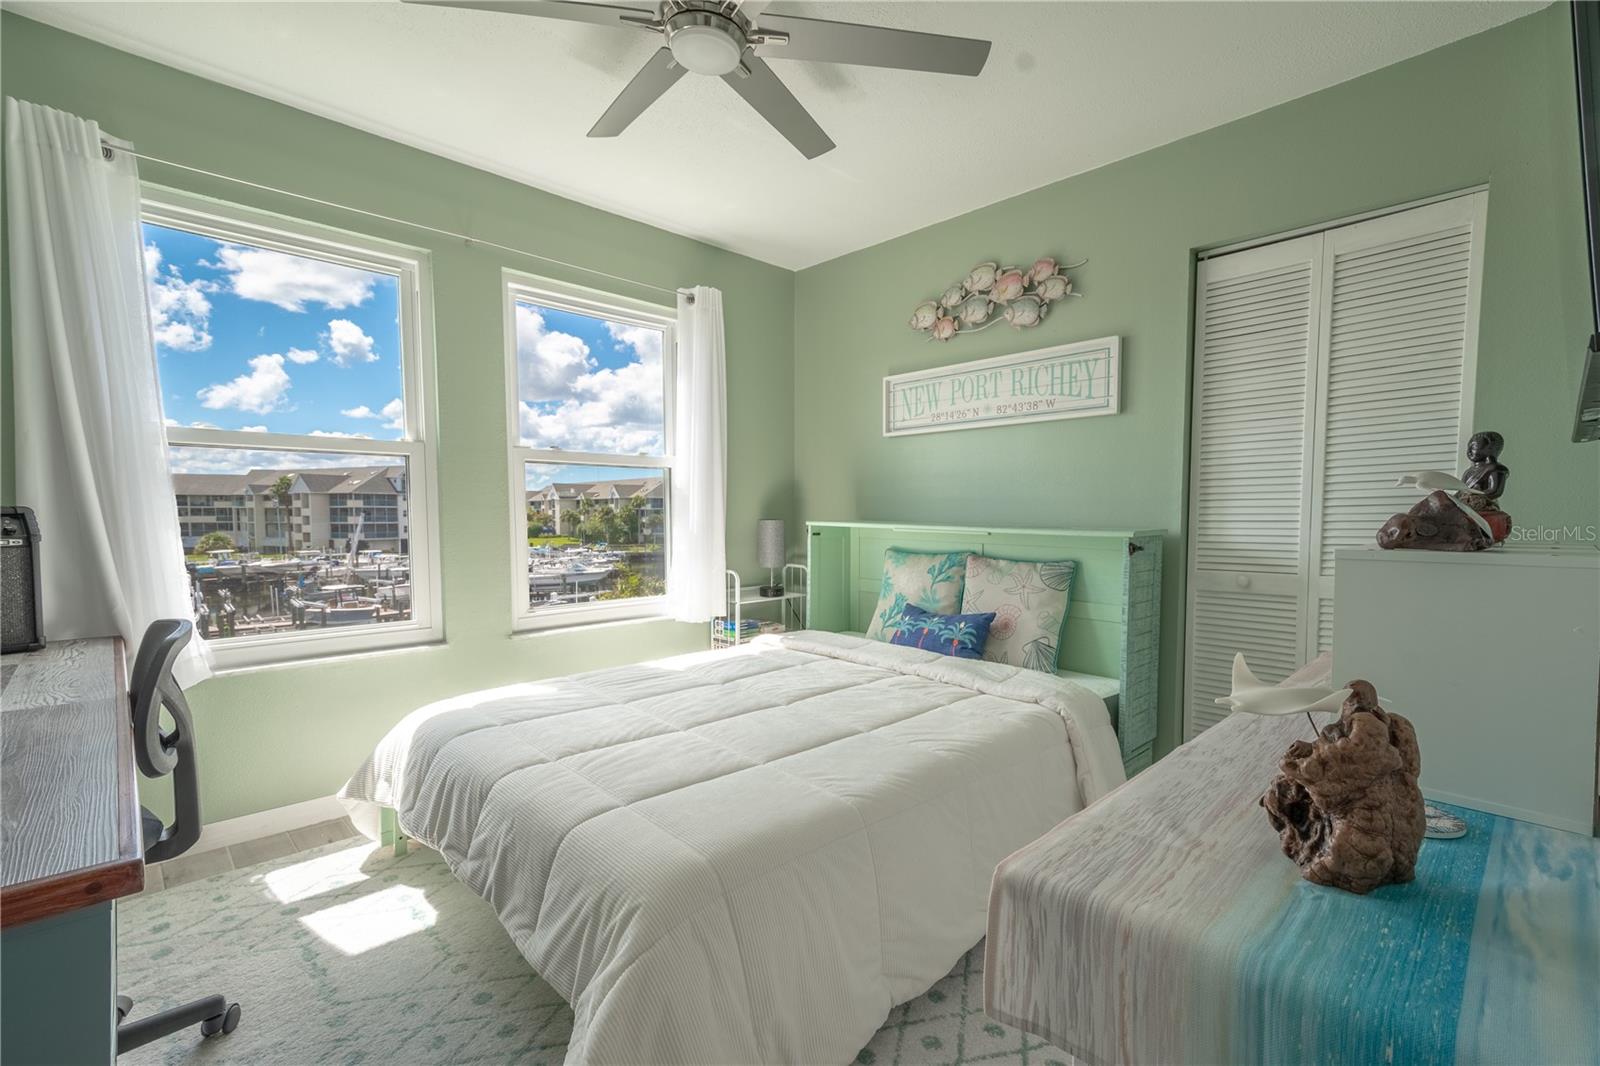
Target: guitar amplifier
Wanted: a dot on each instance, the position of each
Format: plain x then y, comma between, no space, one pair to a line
20,622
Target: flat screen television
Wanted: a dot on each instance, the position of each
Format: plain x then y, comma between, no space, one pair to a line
1586,47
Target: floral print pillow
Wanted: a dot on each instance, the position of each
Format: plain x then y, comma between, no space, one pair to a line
930,581
1029,601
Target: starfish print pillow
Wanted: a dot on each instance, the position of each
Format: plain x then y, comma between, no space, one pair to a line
1029,601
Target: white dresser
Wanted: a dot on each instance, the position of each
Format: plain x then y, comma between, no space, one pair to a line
1495,657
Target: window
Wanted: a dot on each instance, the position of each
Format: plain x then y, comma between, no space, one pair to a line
589,380
294,377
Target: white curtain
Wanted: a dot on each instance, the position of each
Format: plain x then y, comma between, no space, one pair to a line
698,545
90,446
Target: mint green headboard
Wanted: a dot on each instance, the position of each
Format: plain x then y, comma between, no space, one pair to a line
1113,619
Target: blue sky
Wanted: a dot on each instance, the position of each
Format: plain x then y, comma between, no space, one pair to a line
253,339
248,338
541,475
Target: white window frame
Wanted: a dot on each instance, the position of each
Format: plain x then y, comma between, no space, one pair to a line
231,222
546,292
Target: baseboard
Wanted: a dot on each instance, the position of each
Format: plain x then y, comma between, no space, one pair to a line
1505,810
268,823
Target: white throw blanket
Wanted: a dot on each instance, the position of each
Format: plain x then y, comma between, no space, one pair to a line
743,856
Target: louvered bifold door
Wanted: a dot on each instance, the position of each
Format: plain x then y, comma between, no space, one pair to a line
1256,327
1399,346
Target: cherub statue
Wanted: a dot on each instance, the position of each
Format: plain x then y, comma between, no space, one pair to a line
1485,480
1458,514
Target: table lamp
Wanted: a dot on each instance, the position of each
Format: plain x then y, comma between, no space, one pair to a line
770,553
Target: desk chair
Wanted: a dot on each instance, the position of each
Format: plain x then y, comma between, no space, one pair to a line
160,753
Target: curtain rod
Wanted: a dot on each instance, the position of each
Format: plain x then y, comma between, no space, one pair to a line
108,147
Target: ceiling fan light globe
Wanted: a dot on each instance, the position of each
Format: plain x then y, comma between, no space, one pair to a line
705,50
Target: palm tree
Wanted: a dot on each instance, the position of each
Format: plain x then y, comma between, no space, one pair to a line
961,634
571,519
281,495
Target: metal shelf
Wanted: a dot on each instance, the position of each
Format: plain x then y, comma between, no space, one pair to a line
796,579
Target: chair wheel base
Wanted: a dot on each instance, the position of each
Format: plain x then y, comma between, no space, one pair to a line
221,1024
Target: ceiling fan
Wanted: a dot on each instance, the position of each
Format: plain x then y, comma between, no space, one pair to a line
718,39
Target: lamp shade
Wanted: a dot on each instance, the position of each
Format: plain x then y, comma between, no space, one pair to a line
769,543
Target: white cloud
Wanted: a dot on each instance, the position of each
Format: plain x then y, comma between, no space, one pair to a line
252,429
302,355
339,433
262,390
180,313
394,413
349,343
604,410
645,342
292,281
548,362
240,460
612,411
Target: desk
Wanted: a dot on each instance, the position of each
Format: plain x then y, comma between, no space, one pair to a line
69,847
1162,924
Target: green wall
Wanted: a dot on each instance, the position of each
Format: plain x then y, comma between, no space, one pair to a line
285,734
1495,109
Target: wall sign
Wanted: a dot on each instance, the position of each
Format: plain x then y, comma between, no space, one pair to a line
1066,381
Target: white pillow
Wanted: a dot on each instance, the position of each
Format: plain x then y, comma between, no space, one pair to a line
1029,601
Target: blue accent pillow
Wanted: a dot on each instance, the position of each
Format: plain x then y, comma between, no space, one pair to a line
960,635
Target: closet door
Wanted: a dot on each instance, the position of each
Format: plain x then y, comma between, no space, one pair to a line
1257,320
1398,352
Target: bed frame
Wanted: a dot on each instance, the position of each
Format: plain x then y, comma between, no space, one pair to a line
1113,619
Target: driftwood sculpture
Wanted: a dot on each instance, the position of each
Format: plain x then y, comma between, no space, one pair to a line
1438,523
1459,514
1346,805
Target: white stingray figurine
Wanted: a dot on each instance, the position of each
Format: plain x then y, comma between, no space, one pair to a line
1254,696
1431,481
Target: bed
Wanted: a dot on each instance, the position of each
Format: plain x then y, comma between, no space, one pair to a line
1111,644
743,856
1166,925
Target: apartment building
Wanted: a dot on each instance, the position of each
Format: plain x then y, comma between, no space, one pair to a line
325,506
559,498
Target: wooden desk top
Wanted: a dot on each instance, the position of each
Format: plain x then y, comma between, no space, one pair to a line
69,800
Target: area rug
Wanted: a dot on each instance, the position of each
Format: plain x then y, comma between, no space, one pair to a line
345,954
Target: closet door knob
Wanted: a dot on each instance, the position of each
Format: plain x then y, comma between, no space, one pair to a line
1243,581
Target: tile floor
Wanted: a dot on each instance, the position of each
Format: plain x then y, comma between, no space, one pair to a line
196,865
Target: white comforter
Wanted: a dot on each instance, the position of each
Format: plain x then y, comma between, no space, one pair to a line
743,856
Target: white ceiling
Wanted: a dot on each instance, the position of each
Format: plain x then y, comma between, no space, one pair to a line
1068,87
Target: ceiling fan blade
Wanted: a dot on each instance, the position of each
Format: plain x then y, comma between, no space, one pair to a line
872,46
653,79
625,18
763,91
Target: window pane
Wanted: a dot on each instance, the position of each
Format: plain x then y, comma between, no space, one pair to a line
250,338
595,533
285,542
586,384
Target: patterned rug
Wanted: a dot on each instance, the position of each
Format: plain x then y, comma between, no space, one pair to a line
345,954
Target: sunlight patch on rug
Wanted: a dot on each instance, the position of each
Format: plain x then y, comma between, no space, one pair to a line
372,921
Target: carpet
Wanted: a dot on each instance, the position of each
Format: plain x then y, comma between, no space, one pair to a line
344,954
